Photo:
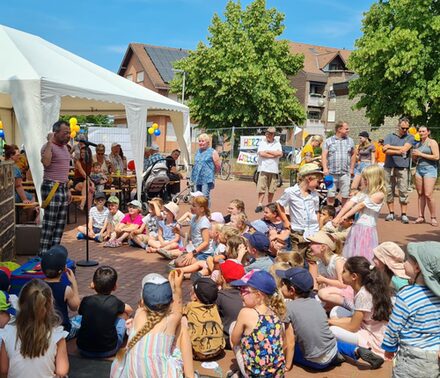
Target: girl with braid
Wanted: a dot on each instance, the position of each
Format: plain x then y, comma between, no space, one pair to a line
158,343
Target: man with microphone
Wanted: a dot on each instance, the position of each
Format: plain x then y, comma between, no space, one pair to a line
54,191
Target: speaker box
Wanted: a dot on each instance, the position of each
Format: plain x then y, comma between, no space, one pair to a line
27,239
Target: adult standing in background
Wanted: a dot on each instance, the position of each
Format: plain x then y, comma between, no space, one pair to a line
427,156
308,151
173,173
338,160
379,154
365,156
397,147
269,153
116,159
206,163
55,195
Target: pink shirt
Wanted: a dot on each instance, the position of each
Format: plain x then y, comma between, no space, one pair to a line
137,220
58,170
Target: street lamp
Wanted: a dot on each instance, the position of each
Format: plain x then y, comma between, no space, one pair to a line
183,81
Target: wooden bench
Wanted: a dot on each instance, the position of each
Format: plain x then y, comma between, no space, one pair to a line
76,199
21,205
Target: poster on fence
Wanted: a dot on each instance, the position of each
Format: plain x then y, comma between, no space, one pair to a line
247,158
252,142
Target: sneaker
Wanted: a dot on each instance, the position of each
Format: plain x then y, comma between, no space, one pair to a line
371,358
259,209
164,253
390,217
338,359
80,236
98,238
404,219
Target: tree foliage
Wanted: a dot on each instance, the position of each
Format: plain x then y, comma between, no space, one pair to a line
398,62
240,79
96,119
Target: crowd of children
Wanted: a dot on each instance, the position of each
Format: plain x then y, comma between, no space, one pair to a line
306,285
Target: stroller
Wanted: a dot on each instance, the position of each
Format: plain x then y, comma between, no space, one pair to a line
155,180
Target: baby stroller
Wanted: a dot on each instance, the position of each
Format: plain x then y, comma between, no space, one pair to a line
185,194
155,180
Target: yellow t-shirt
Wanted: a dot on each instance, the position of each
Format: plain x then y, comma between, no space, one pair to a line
307,149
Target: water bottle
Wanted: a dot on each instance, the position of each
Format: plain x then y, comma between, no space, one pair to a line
118,172
190,248
213,366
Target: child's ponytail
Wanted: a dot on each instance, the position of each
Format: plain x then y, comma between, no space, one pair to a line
277,304
375,283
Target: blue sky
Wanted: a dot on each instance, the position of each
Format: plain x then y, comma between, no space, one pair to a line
100,30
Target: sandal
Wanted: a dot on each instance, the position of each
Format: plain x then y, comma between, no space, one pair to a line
419,220
434,222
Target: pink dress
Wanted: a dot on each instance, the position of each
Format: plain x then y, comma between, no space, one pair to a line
362,237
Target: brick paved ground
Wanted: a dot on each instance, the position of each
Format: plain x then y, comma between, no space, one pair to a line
132,264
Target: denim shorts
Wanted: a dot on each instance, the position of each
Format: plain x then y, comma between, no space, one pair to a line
360,166
426,171
202,256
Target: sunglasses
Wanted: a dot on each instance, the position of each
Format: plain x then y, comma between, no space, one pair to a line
100,153
405,128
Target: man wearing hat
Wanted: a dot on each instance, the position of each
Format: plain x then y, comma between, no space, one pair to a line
116,159
269,153
153,156
338,160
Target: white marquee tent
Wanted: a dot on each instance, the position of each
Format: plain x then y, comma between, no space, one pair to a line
39,81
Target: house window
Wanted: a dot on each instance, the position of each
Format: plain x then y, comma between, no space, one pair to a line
314,115
331,116
140,77
129,77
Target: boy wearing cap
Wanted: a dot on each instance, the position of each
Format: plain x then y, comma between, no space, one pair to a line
204,323
413,331
131,222
98,218
114,217
315,345
102,326
258,246
53,265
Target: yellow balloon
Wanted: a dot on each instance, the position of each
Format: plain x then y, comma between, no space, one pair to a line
1,125
73,121
73,134
412,130
76,128
150,130
155,126
417,137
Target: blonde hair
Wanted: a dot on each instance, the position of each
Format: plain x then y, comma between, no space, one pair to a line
158,200
36,319
203,203
241,218
276,303
239,204
228,232
294,259
374,175
232,245
278,266
153,318
204,136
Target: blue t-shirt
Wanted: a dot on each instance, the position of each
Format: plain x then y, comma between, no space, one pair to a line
398,161
197,225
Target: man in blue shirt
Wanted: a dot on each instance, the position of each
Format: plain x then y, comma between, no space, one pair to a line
397,148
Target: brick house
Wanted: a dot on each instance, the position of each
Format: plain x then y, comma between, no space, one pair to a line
152,67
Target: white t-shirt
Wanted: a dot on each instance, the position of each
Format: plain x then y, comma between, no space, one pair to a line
40,367
98,217
197,226
302,210
269,165
369,214
114,220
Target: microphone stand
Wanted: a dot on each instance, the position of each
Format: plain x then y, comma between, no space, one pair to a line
87,262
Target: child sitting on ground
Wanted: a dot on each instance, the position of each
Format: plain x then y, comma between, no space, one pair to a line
294,259
131,222
35,346
168,237
149,228
5,284
204,323
103,317
98,219
114,217
158,342
98,177
271,216
235,207
258,247
240,222
229,302
257,336
414,327
315,345
53,265
7,312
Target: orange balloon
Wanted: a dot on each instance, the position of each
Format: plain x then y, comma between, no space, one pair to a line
73,134
412,130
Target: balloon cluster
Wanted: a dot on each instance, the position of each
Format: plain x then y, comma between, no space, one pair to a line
2,133
413,131
74,127
154,129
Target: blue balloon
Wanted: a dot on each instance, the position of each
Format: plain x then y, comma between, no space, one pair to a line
2,134
157,132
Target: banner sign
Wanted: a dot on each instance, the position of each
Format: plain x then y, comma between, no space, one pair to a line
247,158
252,142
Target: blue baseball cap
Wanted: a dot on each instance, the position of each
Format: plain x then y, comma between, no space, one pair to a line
298,277
259,225
329,181
258,240
156,292
258,279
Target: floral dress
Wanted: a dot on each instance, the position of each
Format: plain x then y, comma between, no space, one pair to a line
204,169
262,349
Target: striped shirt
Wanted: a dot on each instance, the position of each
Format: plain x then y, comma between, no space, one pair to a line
98,217
415,320
340,151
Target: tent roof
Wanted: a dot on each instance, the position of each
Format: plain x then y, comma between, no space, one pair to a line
29,57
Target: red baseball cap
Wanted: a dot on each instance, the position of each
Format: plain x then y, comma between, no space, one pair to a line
231,271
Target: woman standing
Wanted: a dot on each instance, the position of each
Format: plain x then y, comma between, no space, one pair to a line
206,163
427,155
308,151
366,156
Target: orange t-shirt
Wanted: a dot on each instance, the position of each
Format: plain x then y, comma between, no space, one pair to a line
380,155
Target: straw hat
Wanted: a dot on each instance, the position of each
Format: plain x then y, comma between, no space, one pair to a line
322,237
392,256
309,169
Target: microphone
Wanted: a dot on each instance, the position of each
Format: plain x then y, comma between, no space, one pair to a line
88,144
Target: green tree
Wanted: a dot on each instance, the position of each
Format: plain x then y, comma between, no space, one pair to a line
97,119
240,79
398,62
